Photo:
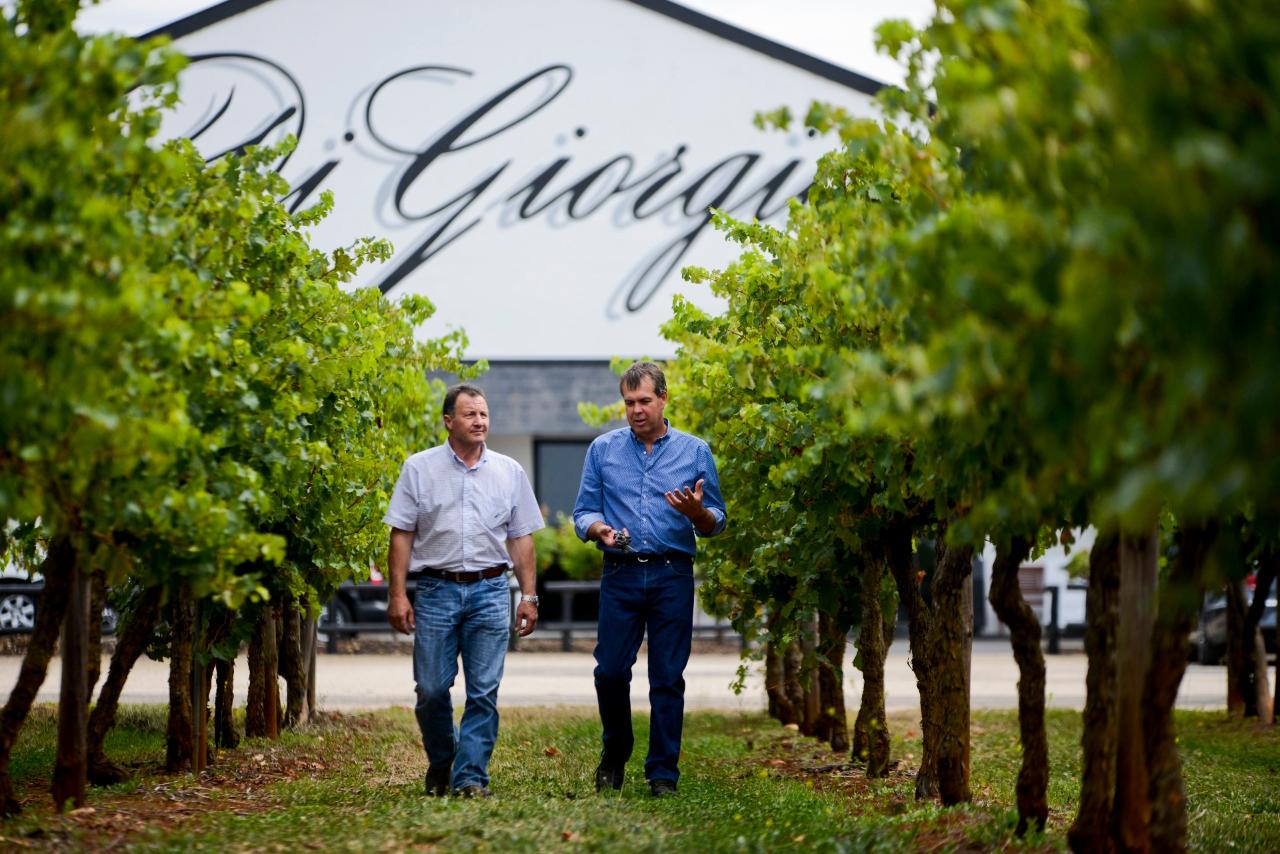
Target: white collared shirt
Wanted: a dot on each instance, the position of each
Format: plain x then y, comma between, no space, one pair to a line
460,516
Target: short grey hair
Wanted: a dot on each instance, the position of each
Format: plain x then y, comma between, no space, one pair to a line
635,375
451,396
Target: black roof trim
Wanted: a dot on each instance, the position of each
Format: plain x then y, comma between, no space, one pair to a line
714,26
760,44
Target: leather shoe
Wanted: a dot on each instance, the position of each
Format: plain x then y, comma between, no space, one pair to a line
473,791
608,777
438,781
662,788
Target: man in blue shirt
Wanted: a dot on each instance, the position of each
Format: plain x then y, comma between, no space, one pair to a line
646,489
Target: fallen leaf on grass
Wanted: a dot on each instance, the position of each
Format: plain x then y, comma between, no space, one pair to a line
551,751
570,836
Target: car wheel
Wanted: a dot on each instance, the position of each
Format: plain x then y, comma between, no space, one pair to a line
17,613
334,614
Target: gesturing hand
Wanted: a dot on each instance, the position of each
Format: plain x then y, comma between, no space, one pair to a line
687,501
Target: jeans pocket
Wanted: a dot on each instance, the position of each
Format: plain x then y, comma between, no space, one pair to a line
682,568
426,587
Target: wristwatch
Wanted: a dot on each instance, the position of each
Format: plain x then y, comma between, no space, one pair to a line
524,597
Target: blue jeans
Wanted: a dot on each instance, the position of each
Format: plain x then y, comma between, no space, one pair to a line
470,619
635,597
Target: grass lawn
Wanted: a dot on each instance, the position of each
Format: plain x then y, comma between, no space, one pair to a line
354,783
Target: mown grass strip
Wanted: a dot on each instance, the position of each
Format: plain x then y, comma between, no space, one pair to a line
354,783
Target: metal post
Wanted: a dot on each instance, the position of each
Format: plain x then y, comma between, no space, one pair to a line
566,615
1055,634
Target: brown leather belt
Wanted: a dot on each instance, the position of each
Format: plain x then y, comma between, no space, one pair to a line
460,576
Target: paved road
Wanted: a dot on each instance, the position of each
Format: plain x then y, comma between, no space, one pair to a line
553,678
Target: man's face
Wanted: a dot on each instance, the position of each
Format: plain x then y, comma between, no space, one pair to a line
469,423
644,409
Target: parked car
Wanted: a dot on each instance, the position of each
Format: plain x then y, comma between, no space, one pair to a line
1210,636
359,602
355,602
20,600
18,595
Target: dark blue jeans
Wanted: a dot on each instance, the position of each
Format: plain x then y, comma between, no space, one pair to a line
634,598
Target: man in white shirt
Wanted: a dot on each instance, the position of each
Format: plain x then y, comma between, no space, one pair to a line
460,515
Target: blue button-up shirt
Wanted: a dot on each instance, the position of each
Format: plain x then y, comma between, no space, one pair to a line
624,487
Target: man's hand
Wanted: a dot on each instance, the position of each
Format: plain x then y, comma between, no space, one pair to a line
400,614
605,534
526,618
687,501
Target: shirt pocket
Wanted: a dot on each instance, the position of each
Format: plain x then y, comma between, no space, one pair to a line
497,513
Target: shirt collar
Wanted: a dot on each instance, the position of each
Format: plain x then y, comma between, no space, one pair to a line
666,434
484,455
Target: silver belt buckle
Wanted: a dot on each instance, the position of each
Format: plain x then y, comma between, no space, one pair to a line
640,559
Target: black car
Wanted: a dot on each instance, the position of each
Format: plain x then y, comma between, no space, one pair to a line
353,603
1210,637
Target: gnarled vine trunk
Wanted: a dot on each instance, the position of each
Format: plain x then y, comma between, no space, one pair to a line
1139,570
69,777
775,676
1176,607
1024,636
224,726
179,744
793,664
1255,690
898,550
261,713
133,636
1091,831
950,636
871,731
293,665
811,719
1239,678
35,664
774,671
833,632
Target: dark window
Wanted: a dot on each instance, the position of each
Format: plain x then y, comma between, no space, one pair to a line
557,470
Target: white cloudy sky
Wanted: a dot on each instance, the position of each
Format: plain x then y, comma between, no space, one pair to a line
839,31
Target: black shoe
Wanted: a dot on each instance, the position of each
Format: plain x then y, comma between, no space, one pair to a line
438,781
472,791
662,788
608,777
